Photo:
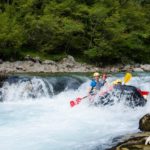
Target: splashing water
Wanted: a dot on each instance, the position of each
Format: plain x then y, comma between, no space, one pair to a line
40,118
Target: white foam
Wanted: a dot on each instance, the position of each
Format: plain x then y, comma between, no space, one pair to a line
51,124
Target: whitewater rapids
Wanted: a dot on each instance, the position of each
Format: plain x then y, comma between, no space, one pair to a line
46,121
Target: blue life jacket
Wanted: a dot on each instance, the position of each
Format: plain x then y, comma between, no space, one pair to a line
97,85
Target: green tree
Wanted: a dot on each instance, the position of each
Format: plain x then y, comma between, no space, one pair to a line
11,37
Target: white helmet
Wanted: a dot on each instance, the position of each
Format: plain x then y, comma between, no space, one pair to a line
96,74
117,81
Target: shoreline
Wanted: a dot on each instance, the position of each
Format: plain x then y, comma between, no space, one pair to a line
67,65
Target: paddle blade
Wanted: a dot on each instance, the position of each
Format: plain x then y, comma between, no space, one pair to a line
72,103
77,101
127,77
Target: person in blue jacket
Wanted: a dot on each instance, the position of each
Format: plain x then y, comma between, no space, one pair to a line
96,84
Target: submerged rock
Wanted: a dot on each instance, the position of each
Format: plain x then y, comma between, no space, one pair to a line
3,77
125,94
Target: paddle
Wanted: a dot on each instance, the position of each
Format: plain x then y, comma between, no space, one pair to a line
127,77
77,101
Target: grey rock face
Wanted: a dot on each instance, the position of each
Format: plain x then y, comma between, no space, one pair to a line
138,70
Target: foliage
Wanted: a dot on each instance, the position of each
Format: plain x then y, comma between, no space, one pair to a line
96,31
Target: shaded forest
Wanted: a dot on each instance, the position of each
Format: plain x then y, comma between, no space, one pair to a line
93,31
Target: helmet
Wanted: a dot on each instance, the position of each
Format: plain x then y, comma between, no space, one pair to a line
96,74
117,81
104,75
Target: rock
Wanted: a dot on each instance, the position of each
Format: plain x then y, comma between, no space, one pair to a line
137,65
68,64
34,59
145,67
127,68
20,68
137,141
37,60
30,63
3,77
1,61
138,70
27,64
28,57
18,63
69,60
106,69
49,62
53,68
144,123
114,69
37,67
147,140
132,142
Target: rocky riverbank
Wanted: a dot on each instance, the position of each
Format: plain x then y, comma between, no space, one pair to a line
66,65
137,141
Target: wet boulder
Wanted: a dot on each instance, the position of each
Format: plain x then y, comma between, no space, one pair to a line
144,123
133,142
1,61
128,95
136,141
3,77
1,97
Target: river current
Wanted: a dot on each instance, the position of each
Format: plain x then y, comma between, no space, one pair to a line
35,114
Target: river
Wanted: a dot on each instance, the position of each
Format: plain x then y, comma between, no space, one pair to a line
43,119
